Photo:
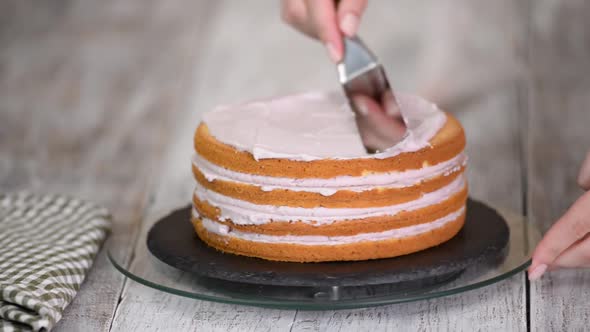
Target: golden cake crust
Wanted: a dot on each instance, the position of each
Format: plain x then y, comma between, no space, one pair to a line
318,253
446,144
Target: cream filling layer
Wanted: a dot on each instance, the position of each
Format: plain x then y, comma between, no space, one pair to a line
245,213
318,240
328,187
315,125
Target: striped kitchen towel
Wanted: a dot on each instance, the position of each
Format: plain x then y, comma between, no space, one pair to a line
47,245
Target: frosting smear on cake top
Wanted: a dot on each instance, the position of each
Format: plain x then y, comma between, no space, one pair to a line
314,126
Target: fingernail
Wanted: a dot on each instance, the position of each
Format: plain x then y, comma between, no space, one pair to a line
332,52
537,272
349,24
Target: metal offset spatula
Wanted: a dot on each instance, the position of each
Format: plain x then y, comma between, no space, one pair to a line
378,115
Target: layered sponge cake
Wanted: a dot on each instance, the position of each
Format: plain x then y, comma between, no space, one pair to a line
288,179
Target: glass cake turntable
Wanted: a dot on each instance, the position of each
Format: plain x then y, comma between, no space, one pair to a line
492,246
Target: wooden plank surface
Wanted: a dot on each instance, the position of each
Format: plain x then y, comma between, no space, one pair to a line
86,103
558,139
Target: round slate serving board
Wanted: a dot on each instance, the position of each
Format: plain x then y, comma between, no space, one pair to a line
483,238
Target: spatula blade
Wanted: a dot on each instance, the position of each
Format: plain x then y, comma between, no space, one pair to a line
378,116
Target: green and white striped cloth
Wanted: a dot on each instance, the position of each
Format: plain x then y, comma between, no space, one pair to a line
47,245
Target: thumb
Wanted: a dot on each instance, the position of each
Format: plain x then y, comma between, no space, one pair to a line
323,16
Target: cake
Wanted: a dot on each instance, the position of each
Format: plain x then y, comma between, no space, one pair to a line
288,179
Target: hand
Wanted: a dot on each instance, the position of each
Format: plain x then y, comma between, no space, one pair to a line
320,19
567,243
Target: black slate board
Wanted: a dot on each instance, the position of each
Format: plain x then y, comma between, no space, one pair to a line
483,238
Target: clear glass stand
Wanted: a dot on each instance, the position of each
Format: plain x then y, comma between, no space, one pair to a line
151,272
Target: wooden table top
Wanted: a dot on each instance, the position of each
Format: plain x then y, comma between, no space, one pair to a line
99,99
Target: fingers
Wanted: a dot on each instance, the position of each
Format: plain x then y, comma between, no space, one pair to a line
318,19
584,177
569,229
349,15
323,17
294,13
578,255
567,243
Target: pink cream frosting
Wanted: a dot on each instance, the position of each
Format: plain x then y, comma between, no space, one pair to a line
246,213
328,187
314,126
224,230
